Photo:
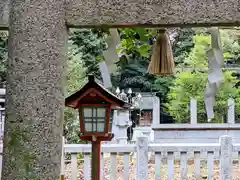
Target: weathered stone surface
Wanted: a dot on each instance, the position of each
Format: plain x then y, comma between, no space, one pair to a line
226,151
153,12
142,158
148,12
35,99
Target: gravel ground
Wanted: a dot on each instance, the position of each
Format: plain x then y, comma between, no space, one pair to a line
151,176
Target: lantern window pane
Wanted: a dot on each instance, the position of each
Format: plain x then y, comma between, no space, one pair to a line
87,112
101,112
94,119
88,127
94,112
94,128
100,127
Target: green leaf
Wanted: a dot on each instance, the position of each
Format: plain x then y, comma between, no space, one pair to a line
144,50
100,58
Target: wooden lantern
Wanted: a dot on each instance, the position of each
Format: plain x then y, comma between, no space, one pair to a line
94,104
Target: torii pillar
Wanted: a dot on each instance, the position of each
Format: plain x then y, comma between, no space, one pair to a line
35,99
37,51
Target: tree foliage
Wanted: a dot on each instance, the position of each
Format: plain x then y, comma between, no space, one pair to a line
136,41
90,45
162,87
134,56
231,45
197,57
76,79
3,56
182,44
135,52
134,75
189,85
192,85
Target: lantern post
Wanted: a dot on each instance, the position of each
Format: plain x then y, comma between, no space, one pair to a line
96,152
95,104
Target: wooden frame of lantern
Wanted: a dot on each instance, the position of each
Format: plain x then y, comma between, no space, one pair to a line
94,104
94,119
107,105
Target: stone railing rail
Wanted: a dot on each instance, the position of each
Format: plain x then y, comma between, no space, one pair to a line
198,132
226,150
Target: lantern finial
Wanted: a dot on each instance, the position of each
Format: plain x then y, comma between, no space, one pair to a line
91,78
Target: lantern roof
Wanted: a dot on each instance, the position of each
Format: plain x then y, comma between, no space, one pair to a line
75,99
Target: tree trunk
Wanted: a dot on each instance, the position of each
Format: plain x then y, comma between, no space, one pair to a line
35,99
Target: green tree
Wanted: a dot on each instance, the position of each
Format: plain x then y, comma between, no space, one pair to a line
134,75
136,41
182,44
76,79
192,85
90,45
162,86
231,45
197,57
135,52
3,56
189,85
202,42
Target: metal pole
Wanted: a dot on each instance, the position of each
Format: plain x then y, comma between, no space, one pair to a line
96,153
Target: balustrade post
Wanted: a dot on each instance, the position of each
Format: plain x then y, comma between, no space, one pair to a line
193,111
231,111
142,158
226,149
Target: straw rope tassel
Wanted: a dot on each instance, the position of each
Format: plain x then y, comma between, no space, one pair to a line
162,62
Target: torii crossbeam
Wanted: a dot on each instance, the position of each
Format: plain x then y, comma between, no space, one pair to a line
148,13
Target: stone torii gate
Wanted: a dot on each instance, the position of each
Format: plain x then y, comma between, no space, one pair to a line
38,32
